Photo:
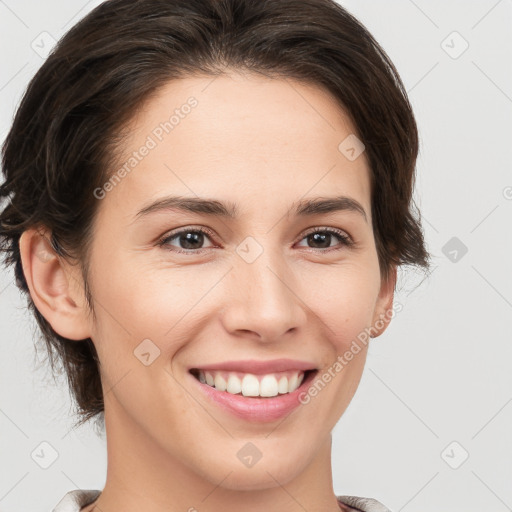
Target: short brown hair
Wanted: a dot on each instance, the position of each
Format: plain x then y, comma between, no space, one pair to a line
70,121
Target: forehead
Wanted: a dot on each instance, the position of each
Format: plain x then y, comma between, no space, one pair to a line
237,135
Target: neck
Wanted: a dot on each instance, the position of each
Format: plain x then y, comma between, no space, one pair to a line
147,477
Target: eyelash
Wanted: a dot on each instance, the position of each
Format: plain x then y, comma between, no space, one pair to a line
345,240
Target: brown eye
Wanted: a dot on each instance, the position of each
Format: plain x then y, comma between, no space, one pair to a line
187,240
322,238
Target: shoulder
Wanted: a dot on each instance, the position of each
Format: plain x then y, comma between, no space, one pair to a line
75,500
358,503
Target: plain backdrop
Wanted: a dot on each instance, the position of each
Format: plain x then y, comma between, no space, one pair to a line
430,427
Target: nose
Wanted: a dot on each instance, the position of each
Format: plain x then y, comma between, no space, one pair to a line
263,299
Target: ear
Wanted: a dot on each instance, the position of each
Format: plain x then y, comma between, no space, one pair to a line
54,286
384,306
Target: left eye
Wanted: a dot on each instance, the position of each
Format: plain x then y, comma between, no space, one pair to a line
324,237
192,240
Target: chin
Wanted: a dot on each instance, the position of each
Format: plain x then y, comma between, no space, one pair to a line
264,474
251,480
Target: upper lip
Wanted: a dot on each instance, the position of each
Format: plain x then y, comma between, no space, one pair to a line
259,367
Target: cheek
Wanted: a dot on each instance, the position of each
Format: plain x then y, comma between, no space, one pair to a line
344,299
127,308
146,302
148,317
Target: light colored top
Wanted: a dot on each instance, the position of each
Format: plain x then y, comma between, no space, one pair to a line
75,500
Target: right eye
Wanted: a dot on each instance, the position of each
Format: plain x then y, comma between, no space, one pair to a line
191,240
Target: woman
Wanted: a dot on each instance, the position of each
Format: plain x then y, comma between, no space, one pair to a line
207,204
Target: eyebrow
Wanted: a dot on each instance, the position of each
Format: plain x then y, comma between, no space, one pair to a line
229,210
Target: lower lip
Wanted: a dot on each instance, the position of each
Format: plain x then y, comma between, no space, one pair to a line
256,408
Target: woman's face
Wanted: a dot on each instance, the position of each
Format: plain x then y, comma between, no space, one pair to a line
257,285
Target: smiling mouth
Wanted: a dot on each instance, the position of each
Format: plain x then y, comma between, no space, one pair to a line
252,385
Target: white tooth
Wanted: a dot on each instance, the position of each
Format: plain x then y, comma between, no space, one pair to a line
220,383
300,379
283,385
292,383
268,386
209,379
234,384
250,385
201,377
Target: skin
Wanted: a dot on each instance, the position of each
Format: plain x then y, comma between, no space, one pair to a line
262,144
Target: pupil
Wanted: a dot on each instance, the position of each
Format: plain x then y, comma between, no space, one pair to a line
192,239
322,238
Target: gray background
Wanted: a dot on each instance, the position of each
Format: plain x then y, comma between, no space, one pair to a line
430,427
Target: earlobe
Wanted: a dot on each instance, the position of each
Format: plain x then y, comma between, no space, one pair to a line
52,286
384,307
